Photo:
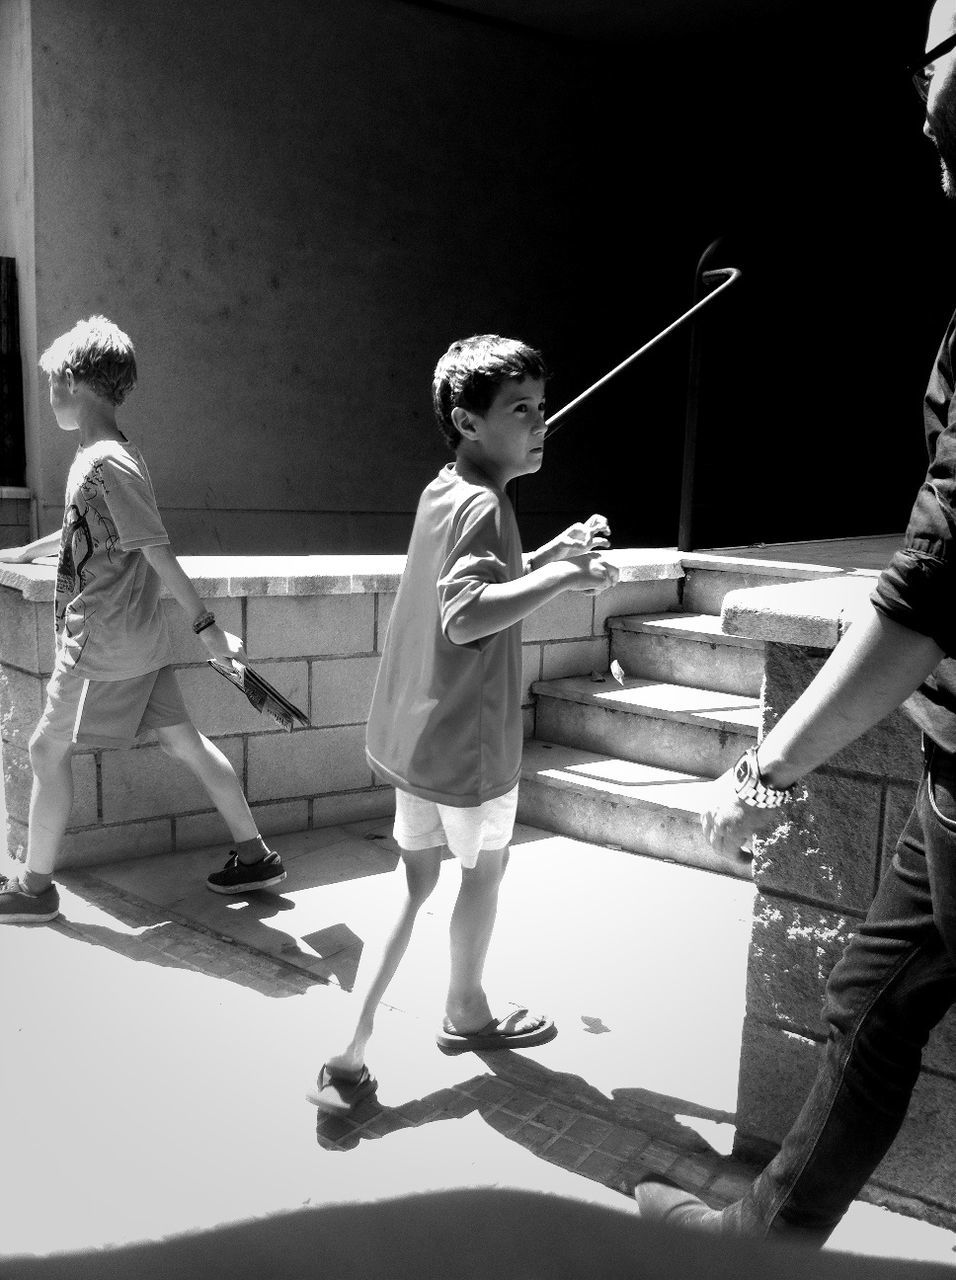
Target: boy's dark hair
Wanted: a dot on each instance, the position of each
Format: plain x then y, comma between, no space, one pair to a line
99,354
472,370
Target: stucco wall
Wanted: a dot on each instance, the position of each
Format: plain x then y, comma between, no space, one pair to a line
292,211
16,179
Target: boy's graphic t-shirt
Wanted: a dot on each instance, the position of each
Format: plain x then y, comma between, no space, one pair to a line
109,621
445,721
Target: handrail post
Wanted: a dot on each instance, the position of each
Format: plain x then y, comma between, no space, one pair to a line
685,526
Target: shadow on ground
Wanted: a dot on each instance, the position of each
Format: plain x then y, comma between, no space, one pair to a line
148,934
465,1234
556,1116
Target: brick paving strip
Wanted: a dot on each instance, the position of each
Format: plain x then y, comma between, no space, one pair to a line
555,1116
170,938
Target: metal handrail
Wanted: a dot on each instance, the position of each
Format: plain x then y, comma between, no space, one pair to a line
730,273
685,522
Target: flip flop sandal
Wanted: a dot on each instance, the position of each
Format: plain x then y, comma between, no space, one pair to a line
339,1096
496,1034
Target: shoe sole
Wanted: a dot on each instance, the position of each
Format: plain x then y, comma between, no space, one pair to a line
31,918
246,888
449,1043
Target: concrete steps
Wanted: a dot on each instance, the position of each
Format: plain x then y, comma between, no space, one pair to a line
627,765
617,803
701,730
688,649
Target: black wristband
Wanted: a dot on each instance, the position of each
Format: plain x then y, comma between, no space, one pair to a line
204,620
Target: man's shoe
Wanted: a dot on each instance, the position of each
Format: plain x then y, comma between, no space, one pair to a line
19,907
240,877
664,1201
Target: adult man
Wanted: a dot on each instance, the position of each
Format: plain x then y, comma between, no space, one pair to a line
898,975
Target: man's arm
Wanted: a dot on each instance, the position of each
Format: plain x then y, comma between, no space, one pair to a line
501,604
874,668
222,645
45,546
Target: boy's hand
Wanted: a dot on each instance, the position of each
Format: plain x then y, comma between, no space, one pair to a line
594,573
223,645
590,535
10,555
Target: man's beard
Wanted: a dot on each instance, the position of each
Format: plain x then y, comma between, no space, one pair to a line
946,177
944,138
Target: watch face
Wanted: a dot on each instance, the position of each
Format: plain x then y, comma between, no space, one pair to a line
742,769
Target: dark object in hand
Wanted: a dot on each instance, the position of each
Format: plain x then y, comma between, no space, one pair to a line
261,694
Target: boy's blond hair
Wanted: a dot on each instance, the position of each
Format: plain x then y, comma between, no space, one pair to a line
99,353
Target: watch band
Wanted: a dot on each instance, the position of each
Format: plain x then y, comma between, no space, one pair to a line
751,788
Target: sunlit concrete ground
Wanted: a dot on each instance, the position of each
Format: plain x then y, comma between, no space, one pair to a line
160,1040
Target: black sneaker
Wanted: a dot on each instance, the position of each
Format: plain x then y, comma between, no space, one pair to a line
238,877
19,907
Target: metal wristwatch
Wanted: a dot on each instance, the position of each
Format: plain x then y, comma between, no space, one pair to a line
751,788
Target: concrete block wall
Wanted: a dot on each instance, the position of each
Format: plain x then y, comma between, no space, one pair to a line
816,876
321,651
314,626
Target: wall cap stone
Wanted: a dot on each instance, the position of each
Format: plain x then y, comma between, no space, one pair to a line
768,568
218,577
814,614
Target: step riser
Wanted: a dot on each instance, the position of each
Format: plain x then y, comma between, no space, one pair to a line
669,744
636,828
704,589
673,660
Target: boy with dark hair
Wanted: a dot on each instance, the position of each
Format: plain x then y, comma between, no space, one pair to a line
112,679
445,725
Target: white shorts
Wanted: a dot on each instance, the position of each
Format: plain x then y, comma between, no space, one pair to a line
422,824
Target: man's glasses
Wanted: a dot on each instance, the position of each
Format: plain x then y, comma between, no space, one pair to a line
922,72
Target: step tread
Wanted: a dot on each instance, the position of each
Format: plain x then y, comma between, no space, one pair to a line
702,627
639,784
658,700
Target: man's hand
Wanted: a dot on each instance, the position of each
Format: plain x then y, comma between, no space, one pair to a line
728,824
223,645
11,555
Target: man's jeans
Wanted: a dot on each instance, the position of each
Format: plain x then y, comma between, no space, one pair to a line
896,979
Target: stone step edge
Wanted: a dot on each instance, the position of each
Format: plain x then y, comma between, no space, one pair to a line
587,692
701,628
664,789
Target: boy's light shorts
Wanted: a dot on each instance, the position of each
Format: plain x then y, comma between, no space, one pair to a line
422,824
109,713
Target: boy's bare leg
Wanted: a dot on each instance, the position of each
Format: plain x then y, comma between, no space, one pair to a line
51,801
472,924
377,969
186,744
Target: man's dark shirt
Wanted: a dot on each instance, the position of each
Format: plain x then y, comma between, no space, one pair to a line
918,586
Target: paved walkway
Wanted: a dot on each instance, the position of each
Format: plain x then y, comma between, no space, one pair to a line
165,1035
